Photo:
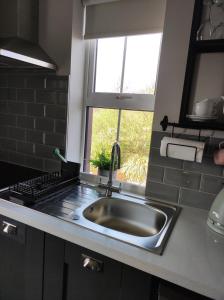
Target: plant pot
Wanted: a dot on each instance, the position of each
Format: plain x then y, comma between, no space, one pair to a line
105,173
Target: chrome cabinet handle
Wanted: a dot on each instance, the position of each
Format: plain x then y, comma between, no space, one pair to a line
9,228
91,264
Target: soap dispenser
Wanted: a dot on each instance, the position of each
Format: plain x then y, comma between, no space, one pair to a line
216,214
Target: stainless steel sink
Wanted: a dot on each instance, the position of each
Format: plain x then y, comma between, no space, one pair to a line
132,220
143,224
126,216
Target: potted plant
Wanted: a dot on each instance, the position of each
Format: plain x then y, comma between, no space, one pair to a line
102,162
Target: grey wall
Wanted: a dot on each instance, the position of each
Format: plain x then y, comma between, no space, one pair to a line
33,111
55,31
178,181
183,182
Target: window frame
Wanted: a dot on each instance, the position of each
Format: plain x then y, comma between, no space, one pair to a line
119,101
130,101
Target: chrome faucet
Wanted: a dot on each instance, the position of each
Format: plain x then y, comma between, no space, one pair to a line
115,164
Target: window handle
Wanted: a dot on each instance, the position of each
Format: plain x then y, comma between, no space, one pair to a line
123,97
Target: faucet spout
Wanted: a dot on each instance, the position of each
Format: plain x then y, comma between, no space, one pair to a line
115,164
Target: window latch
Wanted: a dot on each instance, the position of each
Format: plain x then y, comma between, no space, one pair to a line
123,97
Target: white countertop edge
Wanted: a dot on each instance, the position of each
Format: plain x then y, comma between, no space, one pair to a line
112,248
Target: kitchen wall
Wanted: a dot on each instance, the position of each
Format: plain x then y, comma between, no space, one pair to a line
188,183
169,179
33,112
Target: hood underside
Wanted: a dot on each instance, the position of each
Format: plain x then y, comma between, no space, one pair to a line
19,28
16,52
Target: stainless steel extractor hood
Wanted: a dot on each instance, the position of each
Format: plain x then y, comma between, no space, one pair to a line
19,36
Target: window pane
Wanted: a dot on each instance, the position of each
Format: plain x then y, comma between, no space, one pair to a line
141,64
109,65
102,133
135,139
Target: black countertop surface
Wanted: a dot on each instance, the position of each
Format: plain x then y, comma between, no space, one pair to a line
12,173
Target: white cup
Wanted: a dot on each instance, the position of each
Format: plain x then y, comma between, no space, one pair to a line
206,108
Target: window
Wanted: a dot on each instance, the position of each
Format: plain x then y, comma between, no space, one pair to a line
120,102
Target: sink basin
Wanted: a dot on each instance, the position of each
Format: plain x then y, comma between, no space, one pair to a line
143,224
139,222
126,217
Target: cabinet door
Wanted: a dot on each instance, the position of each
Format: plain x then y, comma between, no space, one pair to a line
21,261
54,268
135,284
91,275
168,291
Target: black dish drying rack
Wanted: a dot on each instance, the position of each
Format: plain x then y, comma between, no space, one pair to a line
34,190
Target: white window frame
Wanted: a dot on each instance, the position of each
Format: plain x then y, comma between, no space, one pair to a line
139,102
120,101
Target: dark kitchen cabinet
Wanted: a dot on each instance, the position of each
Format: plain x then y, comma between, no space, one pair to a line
38,266
21,261
54,269
73,272
169,291
136,285
99,280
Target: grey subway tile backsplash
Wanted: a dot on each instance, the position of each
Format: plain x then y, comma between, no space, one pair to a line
35,110
16,108
25,122
16,157
162,191
56,112
24,147
16,81
188,183
8,144
34,162
35,136
156,173
206,167
3,80
45,96
60,126
36,81
8,94
52,165
211,184
196,199
156,159
25,95
44,124
53,139
57,83
7,120
182,178
44,151
16,133
62,98
33,113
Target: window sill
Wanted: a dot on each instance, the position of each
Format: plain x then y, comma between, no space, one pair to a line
127,188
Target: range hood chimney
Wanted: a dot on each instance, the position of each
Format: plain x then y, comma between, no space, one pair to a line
19,36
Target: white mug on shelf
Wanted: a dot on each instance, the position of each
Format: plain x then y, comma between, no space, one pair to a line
207,107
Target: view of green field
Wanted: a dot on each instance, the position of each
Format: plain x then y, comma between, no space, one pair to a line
134,138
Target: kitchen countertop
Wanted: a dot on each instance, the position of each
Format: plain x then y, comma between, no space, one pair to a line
193,257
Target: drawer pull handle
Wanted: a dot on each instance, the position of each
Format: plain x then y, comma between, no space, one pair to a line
9,228
91,264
